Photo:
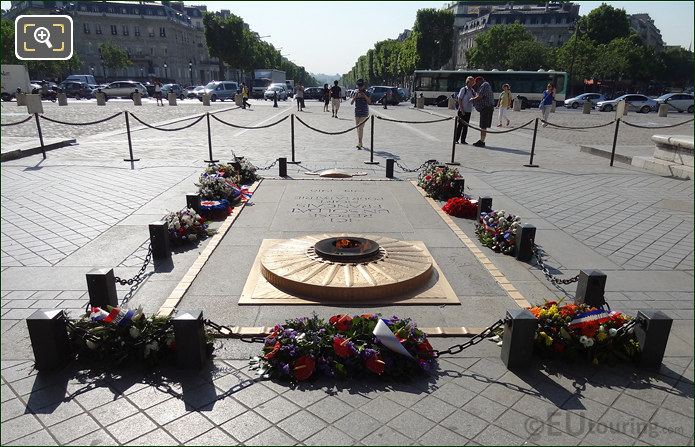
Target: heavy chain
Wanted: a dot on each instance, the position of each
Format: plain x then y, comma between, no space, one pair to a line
140,276
538,253
419,168
227,332
485,333
265,168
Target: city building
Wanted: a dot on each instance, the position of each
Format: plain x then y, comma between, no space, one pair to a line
164,40
550,23
643,25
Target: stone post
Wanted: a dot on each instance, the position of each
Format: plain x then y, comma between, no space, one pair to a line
62,99
137,98
517,340
159,238
172,98
591,288
101,98
49,339
652,333
484,206
206,99
586,107
525,238
189,335
663,110
101,286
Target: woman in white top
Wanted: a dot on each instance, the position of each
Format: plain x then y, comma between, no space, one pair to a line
158,93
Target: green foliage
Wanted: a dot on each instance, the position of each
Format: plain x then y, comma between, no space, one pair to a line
578,55
530,55
114,56
54,69
605,23
677,66
492,49
7,42
435,34
626,58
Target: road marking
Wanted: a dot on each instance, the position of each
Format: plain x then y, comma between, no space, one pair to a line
241,132
411,128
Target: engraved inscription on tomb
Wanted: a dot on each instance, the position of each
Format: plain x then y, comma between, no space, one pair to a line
339,207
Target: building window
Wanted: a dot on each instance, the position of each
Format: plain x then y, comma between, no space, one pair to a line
162,32
85,27
137,30
97,29
125,30
534,20
124,11
150,31
114,30
136,11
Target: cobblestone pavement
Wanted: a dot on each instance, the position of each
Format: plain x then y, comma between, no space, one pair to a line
84,207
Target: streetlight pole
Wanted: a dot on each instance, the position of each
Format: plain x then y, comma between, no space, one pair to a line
166,73
142,73
190,70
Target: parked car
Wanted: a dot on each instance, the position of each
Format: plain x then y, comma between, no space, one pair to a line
272,88
577,101
377,92
176,88
681,102
75,89
313,93
640,103
85,79
220,90
124,89
405,94
194,90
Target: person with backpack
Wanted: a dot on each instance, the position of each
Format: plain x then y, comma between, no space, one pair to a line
484,103
547,103
465,108
336,93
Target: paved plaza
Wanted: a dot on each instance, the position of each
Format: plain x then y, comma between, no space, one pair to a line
84,207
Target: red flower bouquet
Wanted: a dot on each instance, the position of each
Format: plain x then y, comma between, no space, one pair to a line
460,207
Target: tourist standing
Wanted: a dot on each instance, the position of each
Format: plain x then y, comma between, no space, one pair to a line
299,95
547,103
158,92
326,97
336,93
484,103
504,104
245,96
465,108
361,101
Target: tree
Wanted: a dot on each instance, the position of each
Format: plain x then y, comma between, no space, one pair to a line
605,23
228,40
492,46
677,66
435,37
578,56
530,55
7,41
626,58
114,57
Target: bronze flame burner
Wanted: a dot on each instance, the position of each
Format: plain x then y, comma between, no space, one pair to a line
347,249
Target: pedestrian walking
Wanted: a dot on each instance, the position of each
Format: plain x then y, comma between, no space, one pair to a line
504,104
245,97
326,97
464,110
484,103
158,92
547,103
361,100
335,98
385,99
299,95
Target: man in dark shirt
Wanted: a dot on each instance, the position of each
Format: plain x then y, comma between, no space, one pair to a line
335,98
484,103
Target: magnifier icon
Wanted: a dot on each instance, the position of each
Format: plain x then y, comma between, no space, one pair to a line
42,35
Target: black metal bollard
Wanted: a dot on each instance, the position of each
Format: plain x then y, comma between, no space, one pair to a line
101,286
615,139
49,339
458,185
389,167
282,167
189,335
130,141
652,333
591,288
193,202
533,146
371,149
453,161
159,238
210,159
294,162
525,238
484,206
38,128
517,339
275,99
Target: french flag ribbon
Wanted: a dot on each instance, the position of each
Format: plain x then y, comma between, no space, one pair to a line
245,194
597,316
117,316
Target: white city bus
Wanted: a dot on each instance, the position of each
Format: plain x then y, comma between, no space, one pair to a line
438,85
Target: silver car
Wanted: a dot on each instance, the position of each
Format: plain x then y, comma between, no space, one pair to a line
681,102
577,101
640,103
272,88
219,90
123,89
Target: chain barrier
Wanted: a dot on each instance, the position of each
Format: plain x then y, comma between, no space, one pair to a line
169,130
249,127
656,127
422,166
18,122
576,128
227,332
265,168
224,110
497,131
43,117
414,122
538,254
485,333
331,133
139,276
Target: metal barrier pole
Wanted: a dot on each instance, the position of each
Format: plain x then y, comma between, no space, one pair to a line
210,160
389,167
533,146
282,167
453,145
371,149
615,139
293,162
130,142
38,127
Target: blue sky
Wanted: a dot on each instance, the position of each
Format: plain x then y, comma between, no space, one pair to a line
328,37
